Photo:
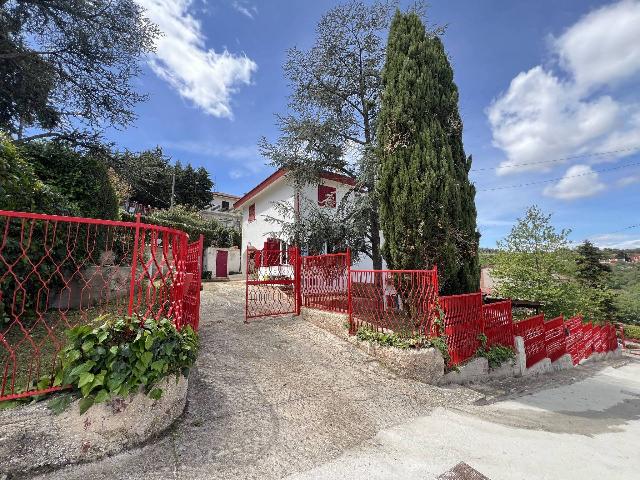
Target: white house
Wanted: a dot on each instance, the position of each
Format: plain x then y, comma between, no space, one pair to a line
260,203
221,209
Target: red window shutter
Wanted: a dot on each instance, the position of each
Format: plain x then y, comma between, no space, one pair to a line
326,196
252,212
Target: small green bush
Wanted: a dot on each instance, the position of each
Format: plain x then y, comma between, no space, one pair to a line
368,334
496,355
123,355
632,332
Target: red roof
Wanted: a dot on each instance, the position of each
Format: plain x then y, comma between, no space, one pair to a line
274,177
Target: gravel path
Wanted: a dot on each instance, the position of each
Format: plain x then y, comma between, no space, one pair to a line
272,398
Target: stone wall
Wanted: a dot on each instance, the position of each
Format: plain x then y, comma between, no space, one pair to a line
33,438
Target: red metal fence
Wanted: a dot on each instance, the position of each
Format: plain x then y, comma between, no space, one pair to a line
398,300
555,338
533,333
497,323
273,282
58,272
462,324
324,281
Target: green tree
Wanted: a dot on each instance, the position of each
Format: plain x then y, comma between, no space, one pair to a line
427,204
193,186
80,177
334,104
150,173
66,66
595,277
534,262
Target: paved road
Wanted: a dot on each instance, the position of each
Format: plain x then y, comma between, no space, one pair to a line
280,397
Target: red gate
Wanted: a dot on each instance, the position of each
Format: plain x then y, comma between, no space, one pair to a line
193,283
273,282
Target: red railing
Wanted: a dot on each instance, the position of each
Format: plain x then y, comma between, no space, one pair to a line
398,300
273,282
497,323
58,272
462,324
555,338
574,338
325,282
533,333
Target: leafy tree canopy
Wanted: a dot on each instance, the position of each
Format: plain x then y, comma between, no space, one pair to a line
81,177
149,174
535,262
334,102
66,66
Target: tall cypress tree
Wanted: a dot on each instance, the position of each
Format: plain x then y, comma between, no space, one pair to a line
427,204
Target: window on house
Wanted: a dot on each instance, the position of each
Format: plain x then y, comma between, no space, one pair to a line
252,212
225,206
326,196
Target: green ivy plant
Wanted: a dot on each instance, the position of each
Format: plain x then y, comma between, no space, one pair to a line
496,355
123,356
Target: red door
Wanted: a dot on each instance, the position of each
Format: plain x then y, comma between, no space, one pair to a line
221,263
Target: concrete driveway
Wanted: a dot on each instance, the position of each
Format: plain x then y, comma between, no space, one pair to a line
281,398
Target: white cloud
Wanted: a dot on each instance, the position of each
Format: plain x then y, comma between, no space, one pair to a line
543,116
245,8
578,182
616,240
602,47
626,181
200,74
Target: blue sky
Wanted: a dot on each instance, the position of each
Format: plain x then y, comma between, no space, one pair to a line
539,82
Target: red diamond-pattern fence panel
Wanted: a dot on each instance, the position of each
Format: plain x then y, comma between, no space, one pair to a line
397,300
58,272
271,282
324,281
612,338
497,323
555,338
533,332
462,324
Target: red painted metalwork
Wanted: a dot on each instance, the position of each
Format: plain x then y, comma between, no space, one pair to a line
497,323
57,272
555,338
533,332
272,286
325,282
462,324
397,300
193,285
587,340
574,338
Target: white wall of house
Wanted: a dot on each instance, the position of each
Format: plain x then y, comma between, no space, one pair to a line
256,232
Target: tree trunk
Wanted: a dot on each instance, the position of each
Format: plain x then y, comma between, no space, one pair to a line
376,256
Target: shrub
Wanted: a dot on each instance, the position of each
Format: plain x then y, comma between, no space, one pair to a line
81,177
496,355
632,332
122,356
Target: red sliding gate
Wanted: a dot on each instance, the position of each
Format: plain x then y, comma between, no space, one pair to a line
273,282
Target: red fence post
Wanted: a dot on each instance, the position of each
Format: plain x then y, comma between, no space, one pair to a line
349,299
134,266
298,283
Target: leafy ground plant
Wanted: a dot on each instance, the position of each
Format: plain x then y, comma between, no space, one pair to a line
496,355
123,356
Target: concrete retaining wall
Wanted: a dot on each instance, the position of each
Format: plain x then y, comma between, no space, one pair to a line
427,365
34,438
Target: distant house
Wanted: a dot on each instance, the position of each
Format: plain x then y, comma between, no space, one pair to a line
221,209
260,204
